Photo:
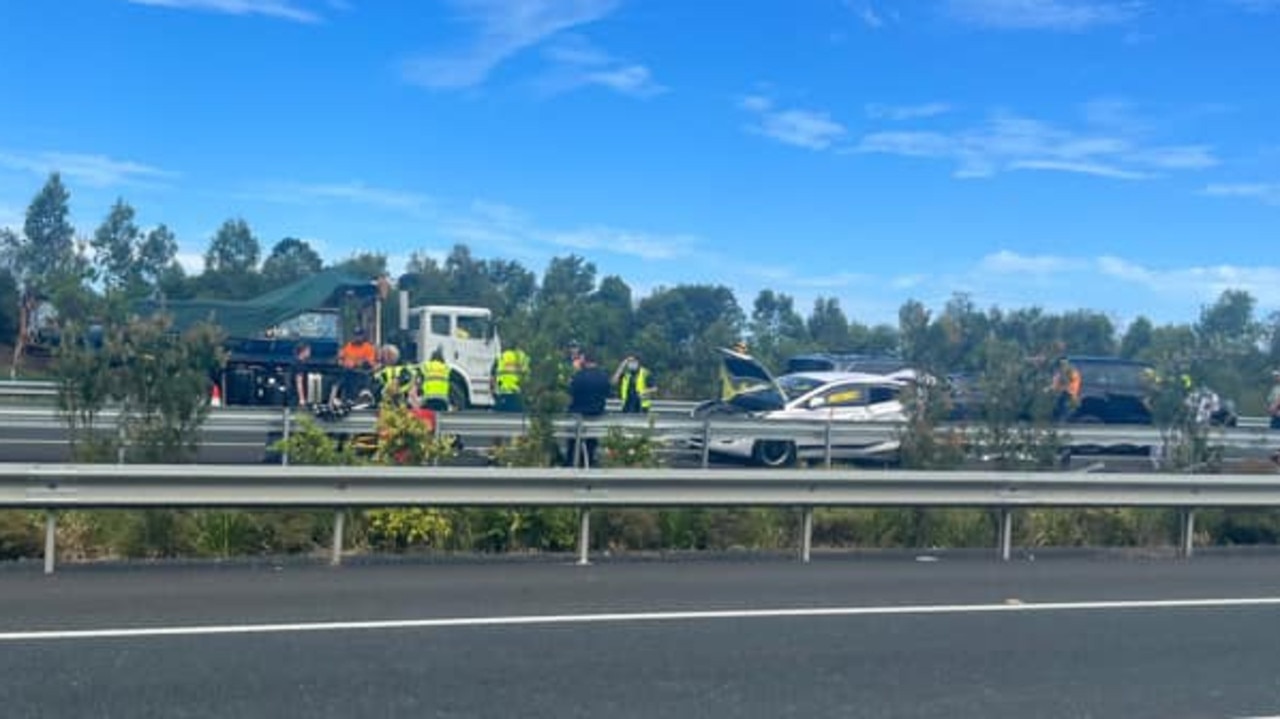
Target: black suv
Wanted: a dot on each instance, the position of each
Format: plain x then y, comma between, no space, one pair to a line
1118,391
1112,391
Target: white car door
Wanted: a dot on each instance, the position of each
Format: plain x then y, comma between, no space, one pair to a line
838,402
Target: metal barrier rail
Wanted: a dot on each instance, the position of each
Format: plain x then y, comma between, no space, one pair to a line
49,390
702,432
56,488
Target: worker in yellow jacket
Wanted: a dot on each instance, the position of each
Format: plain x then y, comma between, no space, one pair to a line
435,383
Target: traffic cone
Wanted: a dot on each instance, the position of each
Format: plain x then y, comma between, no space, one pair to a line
215,397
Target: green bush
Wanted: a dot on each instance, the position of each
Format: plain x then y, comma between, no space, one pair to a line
400,529
877,528
1105,527
620,448
21,534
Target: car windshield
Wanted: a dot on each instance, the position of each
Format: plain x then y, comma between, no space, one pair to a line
794,386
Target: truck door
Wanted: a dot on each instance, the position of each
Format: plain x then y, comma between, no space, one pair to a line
475,353
467,345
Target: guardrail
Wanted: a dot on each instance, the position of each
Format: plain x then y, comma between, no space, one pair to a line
14,389
820,440
55,488
662,407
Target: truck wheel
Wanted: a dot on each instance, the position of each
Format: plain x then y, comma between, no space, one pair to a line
774,453
458,394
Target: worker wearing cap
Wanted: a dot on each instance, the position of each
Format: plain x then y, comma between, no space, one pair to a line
358,352
358,359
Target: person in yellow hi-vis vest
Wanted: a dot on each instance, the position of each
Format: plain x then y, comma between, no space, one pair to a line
509,373
635,385
435,383
394,380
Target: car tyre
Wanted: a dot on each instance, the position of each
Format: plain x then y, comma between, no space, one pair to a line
774,453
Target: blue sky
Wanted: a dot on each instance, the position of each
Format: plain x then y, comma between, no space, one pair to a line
1121,155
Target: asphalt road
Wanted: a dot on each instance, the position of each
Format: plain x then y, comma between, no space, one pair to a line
957,636
34,444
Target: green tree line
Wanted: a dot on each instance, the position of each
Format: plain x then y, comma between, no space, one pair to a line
1227,347
94,280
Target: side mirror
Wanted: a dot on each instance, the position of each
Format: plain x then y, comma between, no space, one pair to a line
817,402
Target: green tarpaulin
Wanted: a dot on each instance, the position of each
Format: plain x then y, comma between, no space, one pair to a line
251,318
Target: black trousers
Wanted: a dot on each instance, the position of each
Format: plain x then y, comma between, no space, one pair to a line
589,446
508,403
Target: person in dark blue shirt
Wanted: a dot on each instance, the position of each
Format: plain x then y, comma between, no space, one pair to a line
589,391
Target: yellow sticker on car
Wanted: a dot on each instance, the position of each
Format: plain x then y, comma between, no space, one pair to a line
845,397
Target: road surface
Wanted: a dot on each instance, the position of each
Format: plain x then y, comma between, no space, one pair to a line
892,635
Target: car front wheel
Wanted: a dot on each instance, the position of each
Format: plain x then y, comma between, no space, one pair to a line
774,453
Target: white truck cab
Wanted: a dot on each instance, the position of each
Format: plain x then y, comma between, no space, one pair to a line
468,340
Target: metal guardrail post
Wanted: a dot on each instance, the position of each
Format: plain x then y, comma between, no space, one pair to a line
284,443
826,439
339,520
579,451
806,535
1188,535
706,442
50,540
1006,534
584,537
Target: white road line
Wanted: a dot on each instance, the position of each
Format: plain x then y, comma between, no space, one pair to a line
622,618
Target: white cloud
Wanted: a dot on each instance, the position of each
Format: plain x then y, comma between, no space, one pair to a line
361,193
1006,262
91,170
1205,283
811,129
486,224
577,63
505,28
497,225
906,282
1180,157
191,262
11,217
1059,15
1268,192
280,9
636,244
834,280
1006,142
872,13
870,16
1023,277
907,112
1079,168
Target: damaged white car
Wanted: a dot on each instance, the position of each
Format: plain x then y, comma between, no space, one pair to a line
749,390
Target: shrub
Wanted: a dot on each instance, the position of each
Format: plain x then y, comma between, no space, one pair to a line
623,449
